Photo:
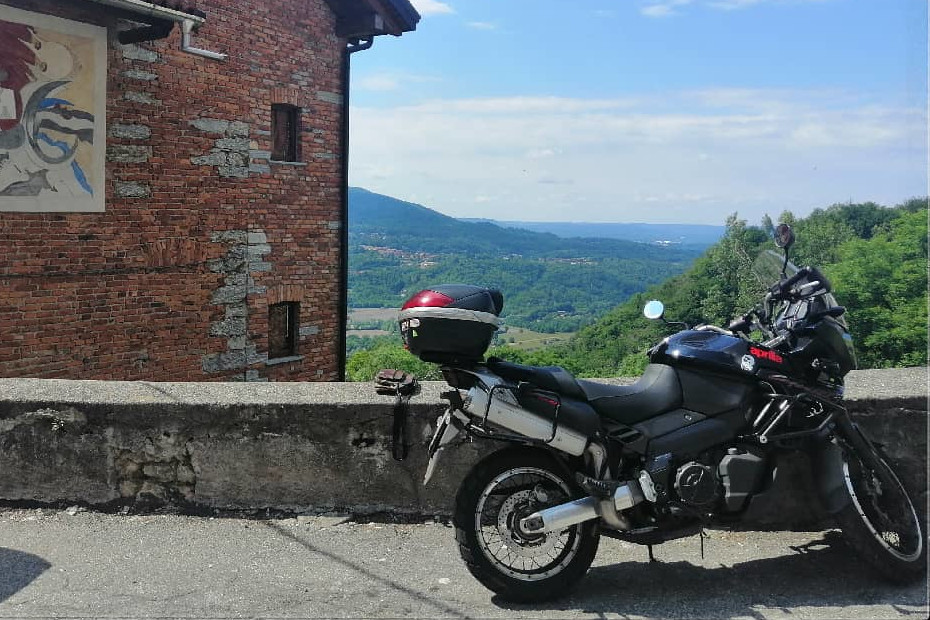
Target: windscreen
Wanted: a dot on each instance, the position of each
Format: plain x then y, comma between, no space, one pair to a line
767,267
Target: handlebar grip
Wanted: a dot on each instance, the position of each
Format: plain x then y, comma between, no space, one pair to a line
803,272
805,288
818,275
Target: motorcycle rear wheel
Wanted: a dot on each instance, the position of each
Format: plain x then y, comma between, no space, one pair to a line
498,492
880,522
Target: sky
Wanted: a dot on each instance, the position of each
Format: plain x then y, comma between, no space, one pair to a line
664,111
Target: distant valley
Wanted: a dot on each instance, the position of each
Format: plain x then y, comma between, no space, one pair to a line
551,282
685,235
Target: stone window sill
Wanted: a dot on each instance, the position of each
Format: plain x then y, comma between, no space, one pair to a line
284,360
286,163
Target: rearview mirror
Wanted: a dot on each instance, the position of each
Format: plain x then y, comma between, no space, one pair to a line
654,309
784,236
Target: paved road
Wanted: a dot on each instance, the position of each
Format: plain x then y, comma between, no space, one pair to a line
56,564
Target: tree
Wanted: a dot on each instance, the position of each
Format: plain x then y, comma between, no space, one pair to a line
364,365
882,282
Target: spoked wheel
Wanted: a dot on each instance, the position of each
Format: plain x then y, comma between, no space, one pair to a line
496,495
880,522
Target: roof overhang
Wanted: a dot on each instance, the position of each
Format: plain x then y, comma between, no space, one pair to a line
161,17
360,19
169,11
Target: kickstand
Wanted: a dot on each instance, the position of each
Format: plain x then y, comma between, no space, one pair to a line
702,536
652,558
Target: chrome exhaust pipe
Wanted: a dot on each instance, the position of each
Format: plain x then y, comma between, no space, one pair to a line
560,517
563,516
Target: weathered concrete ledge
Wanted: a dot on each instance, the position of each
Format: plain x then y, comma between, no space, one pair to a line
305,446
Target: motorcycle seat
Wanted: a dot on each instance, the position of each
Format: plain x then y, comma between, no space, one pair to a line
654,393
553,378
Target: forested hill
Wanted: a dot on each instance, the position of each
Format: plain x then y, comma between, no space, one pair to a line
875,257
683,235
382,221
549,283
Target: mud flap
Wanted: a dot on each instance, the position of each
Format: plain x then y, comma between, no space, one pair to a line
827,470
448,427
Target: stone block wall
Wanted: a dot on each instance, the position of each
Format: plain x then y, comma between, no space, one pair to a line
321,446
171,281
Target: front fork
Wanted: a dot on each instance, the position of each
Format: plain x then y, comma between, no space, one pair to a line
828,460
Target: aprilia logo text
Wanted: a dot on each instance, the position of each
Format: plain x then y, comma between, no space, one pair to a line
766,355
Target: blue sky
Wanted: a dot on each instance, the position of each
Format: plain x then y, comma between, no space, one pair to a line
645,110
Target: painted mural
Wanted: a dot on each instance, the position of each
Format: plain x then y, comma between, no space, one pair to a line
52,113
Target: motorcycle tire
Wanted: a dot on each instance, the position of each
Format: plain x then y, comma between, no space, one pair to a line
496,494
880,522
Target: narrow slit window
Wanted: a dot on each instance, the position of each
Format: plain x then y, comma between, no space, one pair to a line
283,329
285,132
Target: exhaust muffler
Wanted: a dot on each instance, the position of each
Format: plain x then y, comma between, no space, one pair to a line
563,516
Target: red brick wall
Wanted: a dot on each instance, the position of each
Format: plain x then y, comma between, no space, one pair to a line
168,283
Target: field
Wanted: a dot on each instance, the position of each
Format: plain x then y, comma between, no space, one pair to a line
367,315
370,322
528,340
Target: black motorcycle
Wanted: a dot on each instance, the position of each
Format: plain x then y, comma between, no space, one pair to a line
689,445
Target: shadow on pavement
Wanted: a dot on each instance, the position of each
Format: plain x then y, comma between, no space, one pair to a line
18,570
823,573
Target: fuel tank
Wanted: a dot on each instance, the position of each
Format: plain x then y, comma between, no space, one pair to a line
721,353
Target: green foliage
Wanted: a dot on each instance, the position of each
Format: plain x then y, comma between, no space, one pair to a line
875,256
366,343
883,283
363,365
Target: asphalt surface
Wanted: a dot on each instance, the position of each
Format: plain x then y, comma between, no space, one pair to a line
57,563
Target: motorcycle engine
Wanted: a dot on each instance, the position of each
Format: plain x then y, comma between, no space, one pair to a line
697,484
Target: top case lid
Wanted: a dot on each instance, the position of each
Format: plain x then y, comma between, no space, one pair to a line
465,296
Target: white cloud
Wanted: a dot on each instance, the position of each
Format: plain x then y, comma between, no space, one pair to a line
729,5
691,156
389,81
541,153
482,25
378,83
520,105
431,7
671,8
663,8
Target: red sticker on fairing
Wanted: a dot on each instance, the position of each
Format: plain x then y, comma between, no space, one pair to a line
762,354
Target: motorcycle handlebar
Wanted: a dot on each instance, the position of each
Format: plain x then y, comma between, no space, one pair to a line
784,289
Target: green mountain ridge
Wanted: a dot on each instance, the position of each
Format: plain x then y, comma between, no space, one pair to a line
549,283
379,220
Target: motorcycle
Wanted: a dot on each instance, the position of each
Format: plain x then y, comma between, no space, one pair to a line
689,445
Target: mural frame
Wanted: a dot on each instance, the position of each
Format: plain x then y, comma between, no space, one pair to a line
53,128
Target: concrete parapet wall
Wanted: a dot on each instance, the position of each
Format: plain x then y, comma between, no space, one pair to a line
307,446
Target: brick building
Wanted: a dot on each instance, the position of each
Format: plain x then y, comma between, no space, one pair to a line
173,186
